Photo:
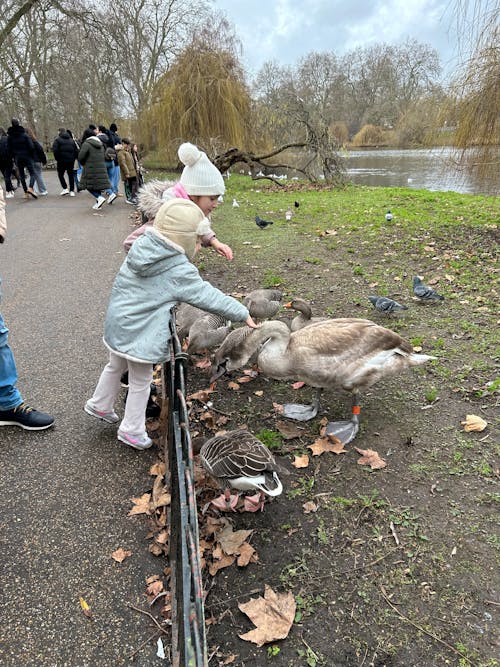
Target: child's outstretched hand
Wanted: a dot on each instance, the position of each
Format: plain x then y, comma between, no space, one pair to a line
250,323
221,248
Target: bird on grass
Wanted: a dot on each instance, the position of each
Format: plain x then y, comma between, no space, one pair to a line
388,216
385,305
296,204
425,293
235,203
239,460
288,214
262,223
263,303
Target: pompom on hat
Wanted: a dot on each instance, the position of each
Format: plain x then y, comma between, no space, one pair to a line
182,222
199,176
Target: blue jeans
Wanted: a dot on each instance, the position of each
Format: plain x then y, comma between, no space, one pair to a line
9,395
110,168
115,181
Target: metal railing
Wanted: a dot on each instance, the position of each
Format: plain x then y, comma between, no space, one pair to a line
189,647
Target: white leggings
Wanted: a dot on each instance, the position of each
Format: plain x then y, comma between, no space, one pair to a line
140,376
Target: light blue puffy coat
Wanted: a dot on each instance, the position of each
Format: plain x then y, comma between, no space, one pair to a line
156,275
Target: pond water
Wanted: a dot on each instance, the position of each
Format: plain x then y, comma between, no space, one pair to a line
430,169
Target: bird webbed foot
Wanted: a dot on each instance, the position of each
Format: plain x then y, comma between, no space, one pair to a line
345,430
300,412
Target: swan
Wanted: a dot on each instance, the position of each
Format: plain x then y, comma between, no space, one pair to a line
263,303
347,353
208,331
239,460
304,318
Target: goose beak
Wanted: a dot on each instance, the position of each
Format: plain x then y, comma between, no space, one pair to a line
287,305
218,371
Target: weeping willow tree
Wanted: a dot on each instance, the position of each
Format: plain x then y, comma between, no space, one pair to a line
478,85
202,98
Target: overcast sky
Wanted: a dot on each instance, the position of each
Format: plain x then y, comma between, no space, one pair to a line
286,30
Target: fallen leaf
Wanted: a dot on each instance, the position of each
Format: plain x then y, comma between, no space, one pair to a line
87,611
231,541
244,378
272,615
301,461
298,385
160,495
288,430
233,385
370,457
120,554
203,363
474,423
247,554
202,395
309,507
327,444
259,392
154,588
141,505
220,563
158,468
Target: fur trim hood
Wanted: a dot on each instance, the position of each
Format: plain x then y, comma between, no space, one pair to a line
150,197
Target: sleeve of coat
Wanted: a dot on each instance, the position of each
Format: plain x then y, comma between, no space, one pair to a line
83,153
189,287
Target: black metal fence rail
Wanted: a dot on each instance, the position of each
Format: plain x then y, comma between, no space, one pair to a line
188,619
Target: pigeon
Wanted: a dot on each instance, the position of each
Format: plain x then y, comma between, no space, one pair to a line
385,305
296,204
388,216
262,223
425,293
235,204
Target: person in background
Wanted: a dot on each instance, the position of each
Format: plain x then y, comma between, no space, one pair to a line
13,410
128,170
22,150
94,176
39,161
75,163
65,153
156,274
89,131
6,163
115,181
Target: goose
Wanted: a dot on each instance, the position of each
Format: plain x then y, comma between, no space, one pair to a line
186,315
349,353
208,331
263,303
304,318
239,460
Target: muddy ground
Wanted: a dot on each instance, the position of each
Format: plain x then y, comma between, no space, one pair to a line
394,567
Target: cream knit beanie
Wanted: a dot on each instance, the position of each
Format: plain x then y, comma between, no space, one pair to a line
182,222
200,176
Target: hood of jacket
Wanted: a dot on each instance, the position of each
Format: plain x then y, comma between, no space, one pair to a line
154,254
97,143
150,197
16,129
64,135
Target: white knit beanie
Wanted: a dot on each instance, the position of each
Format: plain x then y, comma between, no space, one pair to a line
199,176
182,222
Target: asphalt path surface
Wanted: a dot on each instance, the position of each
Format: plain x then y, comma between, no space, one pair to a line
65,492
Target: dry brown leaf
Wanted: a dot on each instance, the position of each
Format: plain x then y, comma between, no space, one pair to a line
230,540
272,615
259,392
141,505
327,444
370,457
203,363
203,395
120,554
474,423
309,507
278,408
247,554
301,461
298,385
289,430
244,378
154,588
233,385
158,468
209,419
160,496
251,372
220,563
155,549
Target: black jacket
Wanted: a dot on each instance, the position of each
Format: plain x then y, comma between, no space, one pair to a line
20,144
5,154
65,149
39,153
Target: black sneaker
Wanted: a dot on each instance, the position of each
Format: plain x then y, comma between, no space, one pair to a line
26,417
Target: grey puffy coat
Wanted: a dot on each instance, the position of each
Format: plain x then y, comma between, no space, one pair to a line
91,157
156,275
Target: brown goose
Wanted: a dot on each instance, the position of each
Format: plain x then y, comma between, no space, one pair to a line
304,318
240,461
348,353
207,331
186,315
263,303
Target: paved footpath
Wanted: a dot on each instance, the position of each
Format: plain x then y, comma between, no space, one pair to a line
65,492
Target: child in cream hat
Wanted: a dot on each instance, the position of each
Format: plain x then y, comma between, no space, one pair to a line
156,274
200,182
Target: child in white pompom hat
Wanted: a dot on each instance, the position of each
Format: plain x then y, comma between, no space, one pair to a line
156,274
200,181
